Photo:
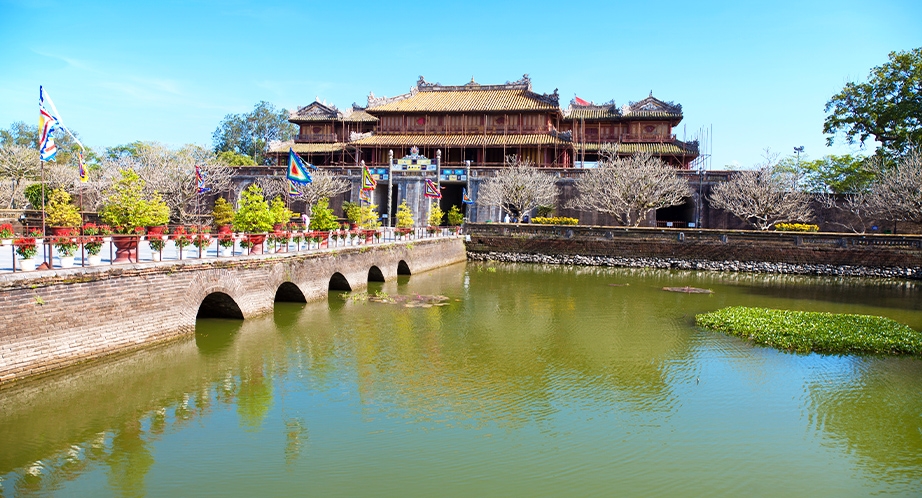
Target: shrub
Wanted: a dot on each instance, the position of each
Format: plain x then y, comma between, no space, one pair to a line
253,215
66,246
796,227
455,216
435,216
6,231
323,218
25,247
60,212
127,209
281,215
223,213
557,220
404,216
545,211
803,331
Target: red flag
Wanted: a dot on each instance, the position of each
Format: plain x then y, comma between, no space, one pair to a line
580,101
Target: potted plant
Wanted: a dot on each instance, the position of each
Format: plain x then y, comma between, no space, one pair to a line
322,222
201,239
281,215
297,234
455,218
60,214
435,219
181,239
222,214
67,248
352,213
157,244
6,234
92,241
225,240
25,248
404,219
278,239
128,210
253,218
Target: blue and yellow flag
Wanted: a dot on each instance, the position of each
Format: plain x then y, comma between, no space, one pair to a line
432,190
297,170
466,198
81,168
200,180
368,181
47,123
363,195
293,190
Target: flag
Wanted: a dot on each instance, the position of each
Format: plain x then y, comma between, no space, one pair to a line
465,198
81,168
580,101
200,180
432,190
297,170
47,123
368,181
363,195
293,190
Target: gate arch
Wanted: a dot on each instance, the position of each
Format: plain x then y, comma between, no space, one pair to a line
339,283
219,305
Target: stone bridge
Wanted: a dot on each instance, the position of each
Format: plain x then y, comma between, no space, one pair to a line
54,319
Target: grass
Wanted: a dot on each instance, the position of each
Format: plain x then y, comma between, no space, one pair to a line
805,331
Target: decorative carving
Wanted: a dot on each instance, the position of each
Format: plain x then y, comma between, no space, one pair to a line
563,135
353,136
652,104
421,83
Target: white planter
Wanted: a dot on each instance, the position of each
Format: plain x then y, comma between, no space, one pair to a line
27,264
5,242
94,259
66,261
226,251
154,256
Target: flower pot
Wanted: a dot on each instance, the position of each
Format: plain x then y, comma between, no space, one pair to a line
27,264
94,259
6,242
61,231
226,251
257,241
155,230
66,261
156,256
126,248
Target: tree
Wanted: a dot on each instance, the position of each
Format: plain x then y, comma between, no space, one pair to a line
887,107
404,216
252,133
518,188
896,194
232,158
253,215
435,216
764,196
324,185
323,218
171,172
18,165
629,188
830,174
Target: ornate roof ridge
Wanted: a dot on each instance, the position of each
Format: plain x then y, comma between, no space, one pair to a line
522,84
316,108
651,103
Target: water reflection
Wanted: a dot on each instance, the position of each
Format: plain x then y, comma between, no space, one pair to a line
547,357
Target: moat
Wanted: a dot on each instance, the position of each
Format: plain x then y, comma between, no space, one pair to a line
527,380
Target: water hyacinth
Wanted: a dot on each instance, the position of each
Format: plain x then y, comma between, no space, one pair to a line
804,331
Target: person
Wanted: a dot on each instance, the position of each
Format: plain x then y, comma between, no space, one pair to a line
306,220
526,219
506,218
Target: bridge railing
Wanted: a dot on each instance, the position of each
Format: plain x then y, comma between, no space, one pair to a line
75,251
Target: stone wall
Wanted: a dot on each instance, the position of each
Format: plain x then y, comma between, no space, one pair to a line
55,319
812,252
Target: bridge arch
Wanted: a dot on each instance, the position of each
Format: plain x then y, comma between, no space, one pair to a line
375,274
339,283
219,305
403,268
289,293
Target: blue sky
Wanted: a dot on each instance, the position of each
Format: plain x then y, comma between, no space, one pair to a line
760,73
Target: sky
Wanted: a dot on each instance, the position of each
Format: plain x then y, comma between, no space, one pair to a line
756,73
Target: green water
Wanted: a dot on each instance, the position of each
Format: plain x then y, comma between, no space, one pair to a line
532,381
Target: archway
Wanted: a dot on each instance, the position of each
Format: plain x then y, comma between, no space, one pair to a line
403,268
375,274
289,293
219,305
339,283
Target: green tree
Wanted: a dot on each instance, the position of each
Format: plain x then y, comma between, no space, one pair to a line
455,216
435,216
253,215
223,213
404,216
231,158
127,208
281,215
888,107
832,174
251,133
323,217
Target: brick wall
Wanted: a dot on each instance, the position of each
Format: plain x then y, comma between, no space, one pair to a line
700,244
54,319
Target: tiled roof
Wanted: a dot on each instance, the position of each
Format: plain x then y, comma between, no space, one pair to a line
472,100
459,140
592,113
359,116
676,148
308,148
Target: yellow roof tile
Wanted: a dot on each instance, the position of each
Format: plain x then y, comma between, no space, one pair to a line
308,148
676,148
469,101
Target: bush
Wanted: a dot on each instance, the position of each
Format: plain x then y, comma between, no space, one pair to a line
545,211
127,209
796,227
557,220
804,331
435,216
33,194
223,213
323,218
404,216
59,212
253,215
455,216
281,215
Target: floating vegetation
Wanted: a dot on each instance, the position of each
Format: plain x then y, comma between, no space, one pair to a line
618,285
688,290
804,331
407,301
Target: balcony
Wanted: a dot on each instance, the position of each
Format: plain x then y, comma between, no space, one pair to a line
317,137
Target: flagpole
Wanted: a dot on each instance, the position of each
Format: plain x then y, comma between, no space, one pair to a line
45,256
390,175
